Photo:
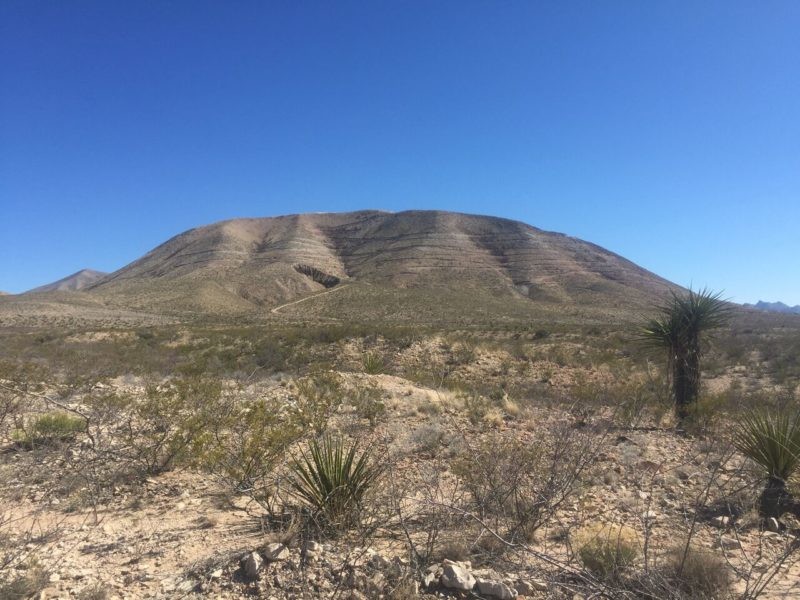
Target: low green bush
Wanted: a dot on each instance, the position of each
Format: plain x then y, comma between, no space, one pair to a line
51,428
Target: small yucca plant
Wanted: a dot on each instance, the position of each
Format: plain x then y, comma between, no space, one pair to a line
332,479
772,441
373,363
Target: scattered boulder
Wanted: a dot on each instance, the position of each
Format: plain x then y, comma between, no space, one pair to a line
527,587
276,552
495,589
722,521
251,565
456,576
729,543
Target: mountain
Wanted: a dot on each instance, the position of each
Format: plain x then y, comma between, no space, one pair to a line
77,281
377,263
775,307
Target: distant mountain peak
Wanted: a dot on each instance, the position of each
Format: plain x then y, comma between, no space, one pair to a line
244,265
776,307
77,281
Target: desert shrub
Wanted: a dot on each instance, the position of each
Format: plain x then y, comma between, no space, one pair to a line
373,363
501,475
53,427
704,414
429,438
270,355
475,406
634,402
172,420
318,396
28,584
246,442
368,402
607,550
697,574
97,591
16,382
464,354
58,425
163,429
520,484
332,479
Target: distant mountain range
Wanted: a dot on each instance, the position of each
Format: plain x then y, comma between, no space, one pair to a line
775,307
77,281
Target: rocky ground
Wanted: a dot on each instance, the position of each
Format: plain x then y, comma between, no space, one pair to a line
441,414
183,534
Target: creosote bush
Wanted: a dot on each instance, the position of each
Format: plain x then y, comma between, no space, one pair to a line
247,441
368,402
518,485
53,427
318,396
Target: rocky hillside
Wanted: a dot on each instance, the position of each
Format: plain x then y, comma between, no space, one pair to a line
245,265
71,283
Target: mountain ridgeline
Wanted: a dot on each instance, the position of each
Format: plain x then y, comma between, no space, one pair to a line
77,281
244,265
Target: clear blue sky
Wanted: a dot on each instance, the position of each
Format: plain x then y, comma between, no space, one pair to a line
668,132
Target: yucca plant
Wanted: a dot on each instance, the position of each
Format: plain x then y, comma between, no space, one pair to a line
373,363
678,330
772,441
332,479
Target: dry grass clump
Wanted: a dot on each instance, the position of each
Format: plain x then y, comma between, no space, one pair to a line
25,585
607,550
697,574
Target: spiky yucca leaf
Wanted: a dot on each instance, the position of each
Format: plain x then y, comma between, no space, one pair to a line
332,480
684,318
772,440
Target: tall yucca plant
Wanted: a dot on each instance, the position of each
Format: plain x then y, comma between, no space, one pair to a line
679,330
772,441
332,480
